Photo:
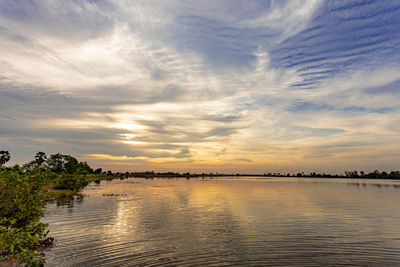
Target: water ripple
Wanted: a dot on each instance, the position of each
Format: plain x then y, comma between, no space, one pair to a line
227,222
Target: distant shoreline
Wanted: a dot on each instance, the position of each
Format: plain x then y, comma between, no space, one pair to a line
394,175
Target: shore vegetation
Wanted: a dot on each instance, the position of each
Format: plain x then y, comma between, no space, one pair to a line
24,192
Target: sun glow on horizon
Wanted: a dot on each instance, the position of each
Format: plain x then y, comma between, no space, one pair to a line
292,86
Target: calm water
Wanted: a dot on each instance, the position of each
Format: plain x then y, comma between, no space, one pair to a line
229,222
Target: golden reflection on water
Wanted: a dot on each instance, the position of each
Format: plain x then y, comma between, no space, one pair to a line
231,221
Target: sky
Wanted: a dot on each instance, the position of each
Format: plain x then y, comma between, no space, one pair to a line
223,86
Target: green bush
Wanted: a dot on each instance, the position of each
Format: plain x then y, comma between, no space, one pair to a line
41,176
74,182
21,242
21,197
21,207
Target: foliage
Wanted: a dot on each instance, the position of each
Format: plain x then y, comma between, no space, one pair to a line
21,207
21,198
40,158
373,175
70,164
55,163
22,195
73,182
83,167
59,163
20,243
4,157
42,177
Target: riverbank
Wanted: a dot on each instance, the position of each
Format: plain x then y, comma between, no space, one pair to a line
24,194
53,193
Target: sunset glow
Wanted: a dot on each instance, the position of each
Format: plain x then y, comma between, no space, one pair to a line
220,86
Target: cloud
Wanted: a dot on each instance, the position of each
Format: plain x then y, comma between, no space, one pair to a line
342,37
258,84
70,20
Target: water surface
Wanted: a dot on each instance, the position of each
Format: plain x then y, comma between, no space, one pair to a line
225,222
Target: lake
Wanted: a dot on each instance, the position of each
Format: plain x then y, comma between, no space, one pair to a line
228,222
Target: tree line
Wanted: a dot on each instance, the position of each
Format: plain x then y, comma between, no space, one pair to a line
59,163
56,163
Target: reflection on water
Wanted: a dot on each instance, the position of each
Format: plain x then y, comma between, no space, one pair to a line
214,222
68,202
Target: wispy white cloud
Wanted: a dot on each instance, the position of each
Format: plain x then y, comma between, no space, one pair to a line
196,86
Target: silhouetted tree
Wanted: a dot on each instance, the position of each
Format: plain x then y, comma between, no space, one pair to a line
84,167
4,157
55,163
351,174
70,164
395,174
40,157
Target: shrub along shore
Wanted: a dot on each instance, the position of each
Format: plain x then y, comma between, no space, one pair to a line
24,192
